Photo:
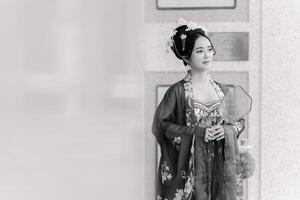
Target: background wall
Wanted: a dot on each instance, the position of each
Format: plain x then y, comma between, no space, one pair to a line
280,98
71,83
239,14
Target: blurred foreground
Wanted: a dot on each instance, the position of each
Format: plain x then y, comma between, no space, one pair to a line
71,101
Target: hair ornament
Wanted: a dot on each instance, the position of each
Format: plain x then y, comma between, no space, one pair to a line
181,21
170,43
173,33
171,40
193,26
183,37
187,67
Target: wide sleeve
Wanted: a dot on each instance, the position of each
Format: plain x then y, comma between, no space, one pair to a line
238,127
165,117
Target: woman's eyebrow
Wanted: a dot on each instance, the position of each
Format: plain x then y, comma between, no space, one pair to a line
203,47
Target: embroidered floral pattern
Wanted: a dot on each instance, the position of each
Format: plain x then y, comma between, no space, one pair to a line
183,174
219,91
208,116
188,188
179,194
238,126
198,114
165,172
176,142
189,97
191,120
159,197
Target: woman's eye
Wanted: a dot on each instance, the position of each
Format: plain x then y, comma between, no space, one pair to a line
199,51
210,49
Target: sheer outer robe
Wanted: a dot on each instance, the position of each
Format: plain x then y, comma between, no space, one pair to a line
170,123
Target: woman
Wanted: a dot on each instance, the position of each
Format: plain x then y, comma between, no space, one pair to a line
198,149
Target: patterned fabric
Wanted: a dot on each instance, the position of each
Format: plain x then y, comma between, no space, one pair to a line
191,120
203,115
177,129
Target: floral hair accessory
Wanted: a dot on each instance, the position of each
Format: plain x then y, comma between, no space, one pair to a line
170,43
181,21
171,40
173,33
183,36
193,26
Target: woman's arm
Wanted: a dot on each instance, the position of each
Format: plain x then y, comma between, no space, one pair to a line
239,126
219,130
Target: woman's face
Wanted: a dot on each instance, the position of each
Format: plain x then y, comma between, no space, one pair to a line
202,54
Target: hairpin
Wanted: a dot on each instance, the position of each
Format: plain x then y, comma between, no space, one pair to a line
183,38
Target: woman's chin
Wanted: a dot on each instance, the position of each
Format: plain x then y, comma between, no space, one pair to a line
204,67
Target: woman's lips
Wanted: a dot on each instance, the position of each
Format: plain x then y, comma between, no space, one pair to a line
205,62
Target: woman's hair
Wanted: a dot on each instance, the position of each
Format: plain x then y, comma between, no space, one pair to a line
184,40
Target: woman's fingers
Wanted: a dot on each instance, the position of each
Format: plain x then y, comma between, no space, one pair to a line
220,138
209,135
216,127
218,133
214,133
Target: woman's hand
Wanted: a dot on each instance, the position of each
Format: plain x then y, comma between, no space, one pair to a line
218,132
208,134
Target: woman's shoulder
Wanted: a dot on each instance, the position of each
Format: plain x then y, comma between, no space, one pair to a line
175,90
224,86
177,86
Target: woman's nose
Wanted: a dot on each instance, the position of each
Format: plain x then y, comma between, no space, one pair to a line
205,54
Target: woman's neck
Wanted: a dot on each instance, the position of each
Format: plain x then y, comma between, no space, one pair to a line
200,77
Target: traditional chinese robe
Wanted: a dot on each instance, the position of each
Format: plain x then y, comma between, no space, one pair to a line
176,139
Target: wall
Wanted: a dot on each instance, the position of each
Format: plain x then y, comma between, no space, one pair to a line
280,98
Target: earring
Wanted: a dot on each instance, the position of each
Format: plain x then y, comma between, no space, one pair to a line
187,67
